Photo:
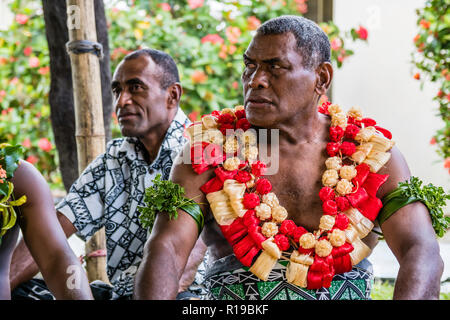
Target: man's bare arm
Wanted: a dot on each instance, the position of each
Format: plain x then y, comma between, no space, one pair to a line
195,259
171,241
411,237
23,266
45,238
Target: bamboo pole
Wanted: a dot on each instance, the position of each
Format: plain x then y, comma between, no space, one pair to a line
90,133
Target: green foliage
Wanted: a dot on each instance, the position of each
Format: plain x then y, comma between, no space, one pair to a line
163,196
433,197
206,40
382,290
24,87
9,161
431,60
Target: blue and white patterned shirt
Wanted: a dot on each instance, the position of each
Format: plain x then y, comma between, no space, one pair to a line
108,193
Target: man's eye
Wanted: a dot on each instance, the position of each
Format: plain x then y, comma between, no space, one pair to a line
135,87
275,66
115,91
250,65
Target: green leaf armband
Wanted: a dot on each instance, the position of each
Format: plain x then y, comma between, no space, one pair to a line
194,211
166,196
434,198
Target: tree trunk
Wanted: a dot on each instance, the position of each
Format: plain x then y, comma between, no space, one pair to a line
61,90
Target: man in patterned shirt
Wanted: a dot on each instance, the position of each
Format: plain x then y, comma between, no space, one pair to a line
146,92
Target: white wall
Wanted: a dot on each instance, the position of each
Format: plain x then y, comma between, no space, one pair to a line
379,79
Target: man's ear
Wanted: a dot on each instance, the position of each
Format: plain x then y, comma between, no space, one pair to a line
174,92
325,75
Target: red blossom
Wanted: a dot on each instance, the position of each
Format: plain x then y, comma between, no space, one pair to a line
250,219
240,114
45,145
32,159
298,232
341,221
288,227
194,4
369,122
212,38
251,200
263,186
225,118
333,148
164,6
362,33
242,176
21,18
348,148
258,168
281,241
342,203
351,131
324,107
243,124
329,207
226,126
336,133
326,193
27,51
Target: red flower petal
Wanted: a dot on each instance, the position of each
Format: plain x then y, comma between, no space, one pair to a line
333,148
336,133
213,185
251,200
263,186
326,193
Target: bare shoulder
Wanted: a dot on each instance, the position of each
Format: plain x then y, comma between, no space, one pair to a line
398,170
28,181
183,174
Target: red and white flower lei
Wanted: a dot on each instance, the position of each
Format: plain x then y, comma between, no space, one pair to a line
251,217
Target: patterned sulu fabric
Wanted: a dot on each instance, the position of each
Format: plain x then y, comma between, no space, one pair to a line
108,193
241,284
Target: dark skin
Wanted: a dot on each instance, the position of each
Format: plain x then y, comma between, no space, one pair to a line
41,231
144,110
280,93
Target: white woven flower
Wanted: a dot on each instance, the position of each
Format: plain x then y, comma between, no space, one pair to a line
326,222
330,178
209,122
348,172
344,187
229,111
355,112
231,145
279,214
307,240
270,199
323,248
339,119
269,229
333,109
263,211
213,136
232,164
333,163
337,237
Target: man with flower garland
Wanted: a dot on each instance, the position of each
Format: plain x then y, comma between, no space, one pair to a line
311,206
107,194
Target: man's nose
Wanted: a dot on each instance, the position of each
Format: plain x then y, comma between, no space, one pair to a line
124,99
259,79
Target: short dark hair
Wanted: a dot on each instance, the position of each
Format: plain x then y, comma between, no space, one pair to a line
170,71
311,39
